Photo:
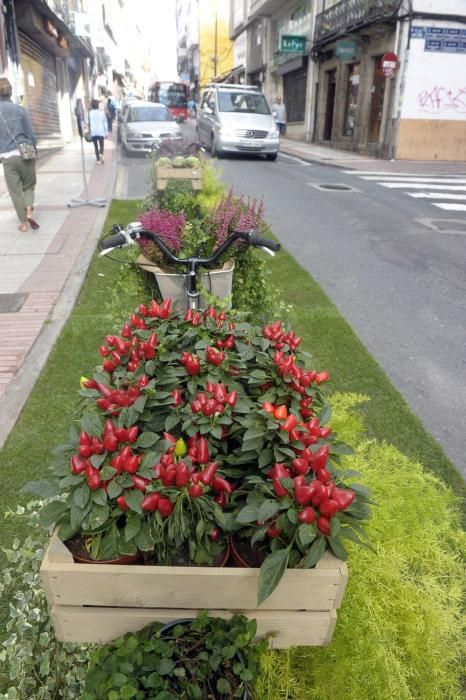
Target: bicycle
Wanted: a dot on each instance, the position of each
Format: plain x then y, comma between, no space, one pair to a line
128,236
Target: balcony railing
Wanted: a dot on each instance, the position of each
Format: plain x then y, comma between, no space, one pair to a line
349,15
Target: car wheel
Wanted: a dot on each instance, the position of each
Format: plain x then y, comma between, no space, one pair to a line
271,156
214,151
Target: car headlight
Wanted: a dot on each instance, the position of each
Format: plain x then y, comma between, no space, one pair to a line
273,134
226,133
133,135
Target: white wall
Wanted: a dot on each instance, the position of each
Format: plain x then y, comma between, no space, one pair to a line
435,87
451,7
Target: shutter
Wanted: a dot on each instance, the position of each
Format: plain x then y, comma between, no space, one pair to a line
40,86
294,94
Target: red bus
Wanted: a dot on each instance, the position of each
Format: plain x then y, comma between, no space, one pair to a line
174,96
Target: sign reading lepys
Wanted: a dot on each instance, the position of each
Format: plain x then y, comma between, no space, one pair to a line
388,64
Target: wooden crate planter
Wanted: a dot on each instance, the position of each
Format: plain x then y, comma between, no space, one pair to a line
192,175
98,602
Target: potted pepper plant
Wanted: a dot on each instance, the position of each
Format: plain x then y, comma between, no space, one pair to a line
197,425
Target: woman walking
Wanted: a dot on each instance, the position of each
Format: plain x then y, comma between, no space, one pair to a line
98,129
20,174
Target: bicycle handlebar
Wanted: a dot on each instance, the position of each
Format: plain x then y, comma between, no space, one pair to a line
134,231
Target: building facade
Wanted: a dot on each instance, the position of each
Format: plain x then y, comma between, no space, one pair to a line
391,78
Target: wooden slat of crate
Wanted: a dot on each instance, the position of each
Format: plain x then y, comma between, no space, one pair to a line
102,625
163,175
67,583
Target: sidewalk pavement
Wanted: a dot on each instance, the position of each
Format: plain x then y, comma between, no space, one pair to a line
41,272
347,160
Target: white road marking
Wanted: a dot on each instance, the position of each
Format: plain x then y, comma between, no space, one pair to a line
427,180
394,174
419,186
450,206
435,195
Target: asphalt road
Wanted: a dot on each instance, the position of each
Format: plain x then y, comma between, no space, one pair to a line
399,282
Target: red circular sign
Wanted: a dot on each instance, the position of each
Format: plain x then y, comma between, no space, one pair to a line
388,64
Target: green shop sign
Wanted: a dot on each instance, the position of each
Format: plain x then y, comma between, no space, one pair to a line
346,49
292,44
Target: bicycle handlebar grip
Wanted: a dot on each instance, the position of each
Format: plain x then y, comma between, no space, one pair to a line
113,241
259,241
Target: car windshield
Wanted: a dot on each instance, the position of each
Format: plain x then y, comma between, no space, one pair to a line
246,102
149,114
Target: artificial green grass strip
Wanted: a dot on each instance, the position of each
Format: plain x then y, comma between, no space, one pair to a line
336,348
399,630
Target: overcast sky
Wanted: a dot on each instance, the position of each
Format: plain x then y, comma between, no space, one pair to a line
161,26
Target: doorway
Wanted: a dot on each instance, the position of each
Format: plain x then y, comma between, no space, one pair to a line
330,105
377,100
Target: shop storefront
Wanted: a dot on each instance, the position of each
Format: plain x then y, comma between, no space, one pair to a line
289,73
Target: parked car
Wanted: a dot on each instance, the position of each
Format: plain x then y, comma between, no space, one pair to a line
237,119
144,125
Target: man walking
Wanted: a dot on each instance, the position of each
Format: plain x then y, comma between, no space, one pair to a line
279,112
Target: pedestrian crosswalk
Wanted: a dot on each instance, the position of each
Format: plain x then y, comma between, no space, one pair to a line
445,192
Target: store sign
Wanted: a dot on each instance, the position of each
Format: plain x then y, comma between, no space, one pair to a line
346,50
292,44
388,64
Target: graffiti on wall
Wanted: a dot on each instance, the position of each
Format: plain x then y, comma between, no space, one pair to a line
439,99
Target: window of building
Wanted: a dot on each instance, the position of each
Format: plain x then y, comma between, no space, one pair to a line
352,91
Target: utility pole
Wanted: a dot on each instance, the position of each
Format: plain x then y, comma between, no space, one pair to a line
216,44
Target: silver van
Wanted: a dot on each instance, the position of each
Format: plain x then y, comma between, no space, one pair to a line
237,119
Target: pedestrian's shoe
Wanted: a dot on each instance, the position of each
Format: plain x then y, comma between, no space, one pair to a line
102,159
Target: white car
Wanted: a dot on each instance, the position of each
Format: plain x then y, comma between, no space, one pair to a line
237,119
144,125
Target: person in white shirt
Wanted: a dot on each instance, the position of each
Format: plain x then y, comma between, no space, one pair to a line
279,112
99,129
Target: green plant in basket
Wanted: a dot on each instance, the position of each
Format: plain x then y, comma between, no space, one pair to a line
189,659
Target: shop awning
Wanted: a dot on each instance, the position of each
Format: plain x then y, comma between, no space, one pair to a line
43,26
228,76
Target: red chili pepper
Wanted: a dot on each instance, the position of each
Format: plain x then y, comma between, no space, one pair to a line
329,507
221,499
300,465
307,515
94,482
202,451
104,351
182,475
273,531
110,443
232,398
303,494
324,433
177,397
195,491
319,459
132,433
343,497
78,465
121,434
281,412
126,331
132,464
166,308
279,489
319,493
323,524
268,407
214,534
290,424
97,447
196,407
168,478
210,407
170,437
279,471
323,475
220,484
219,392
121,500
321,377
139,482
208,473
154,309
193,365
213,356
165,507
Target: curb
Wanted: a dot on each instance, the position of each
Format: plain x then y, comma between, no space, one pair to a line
18,391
